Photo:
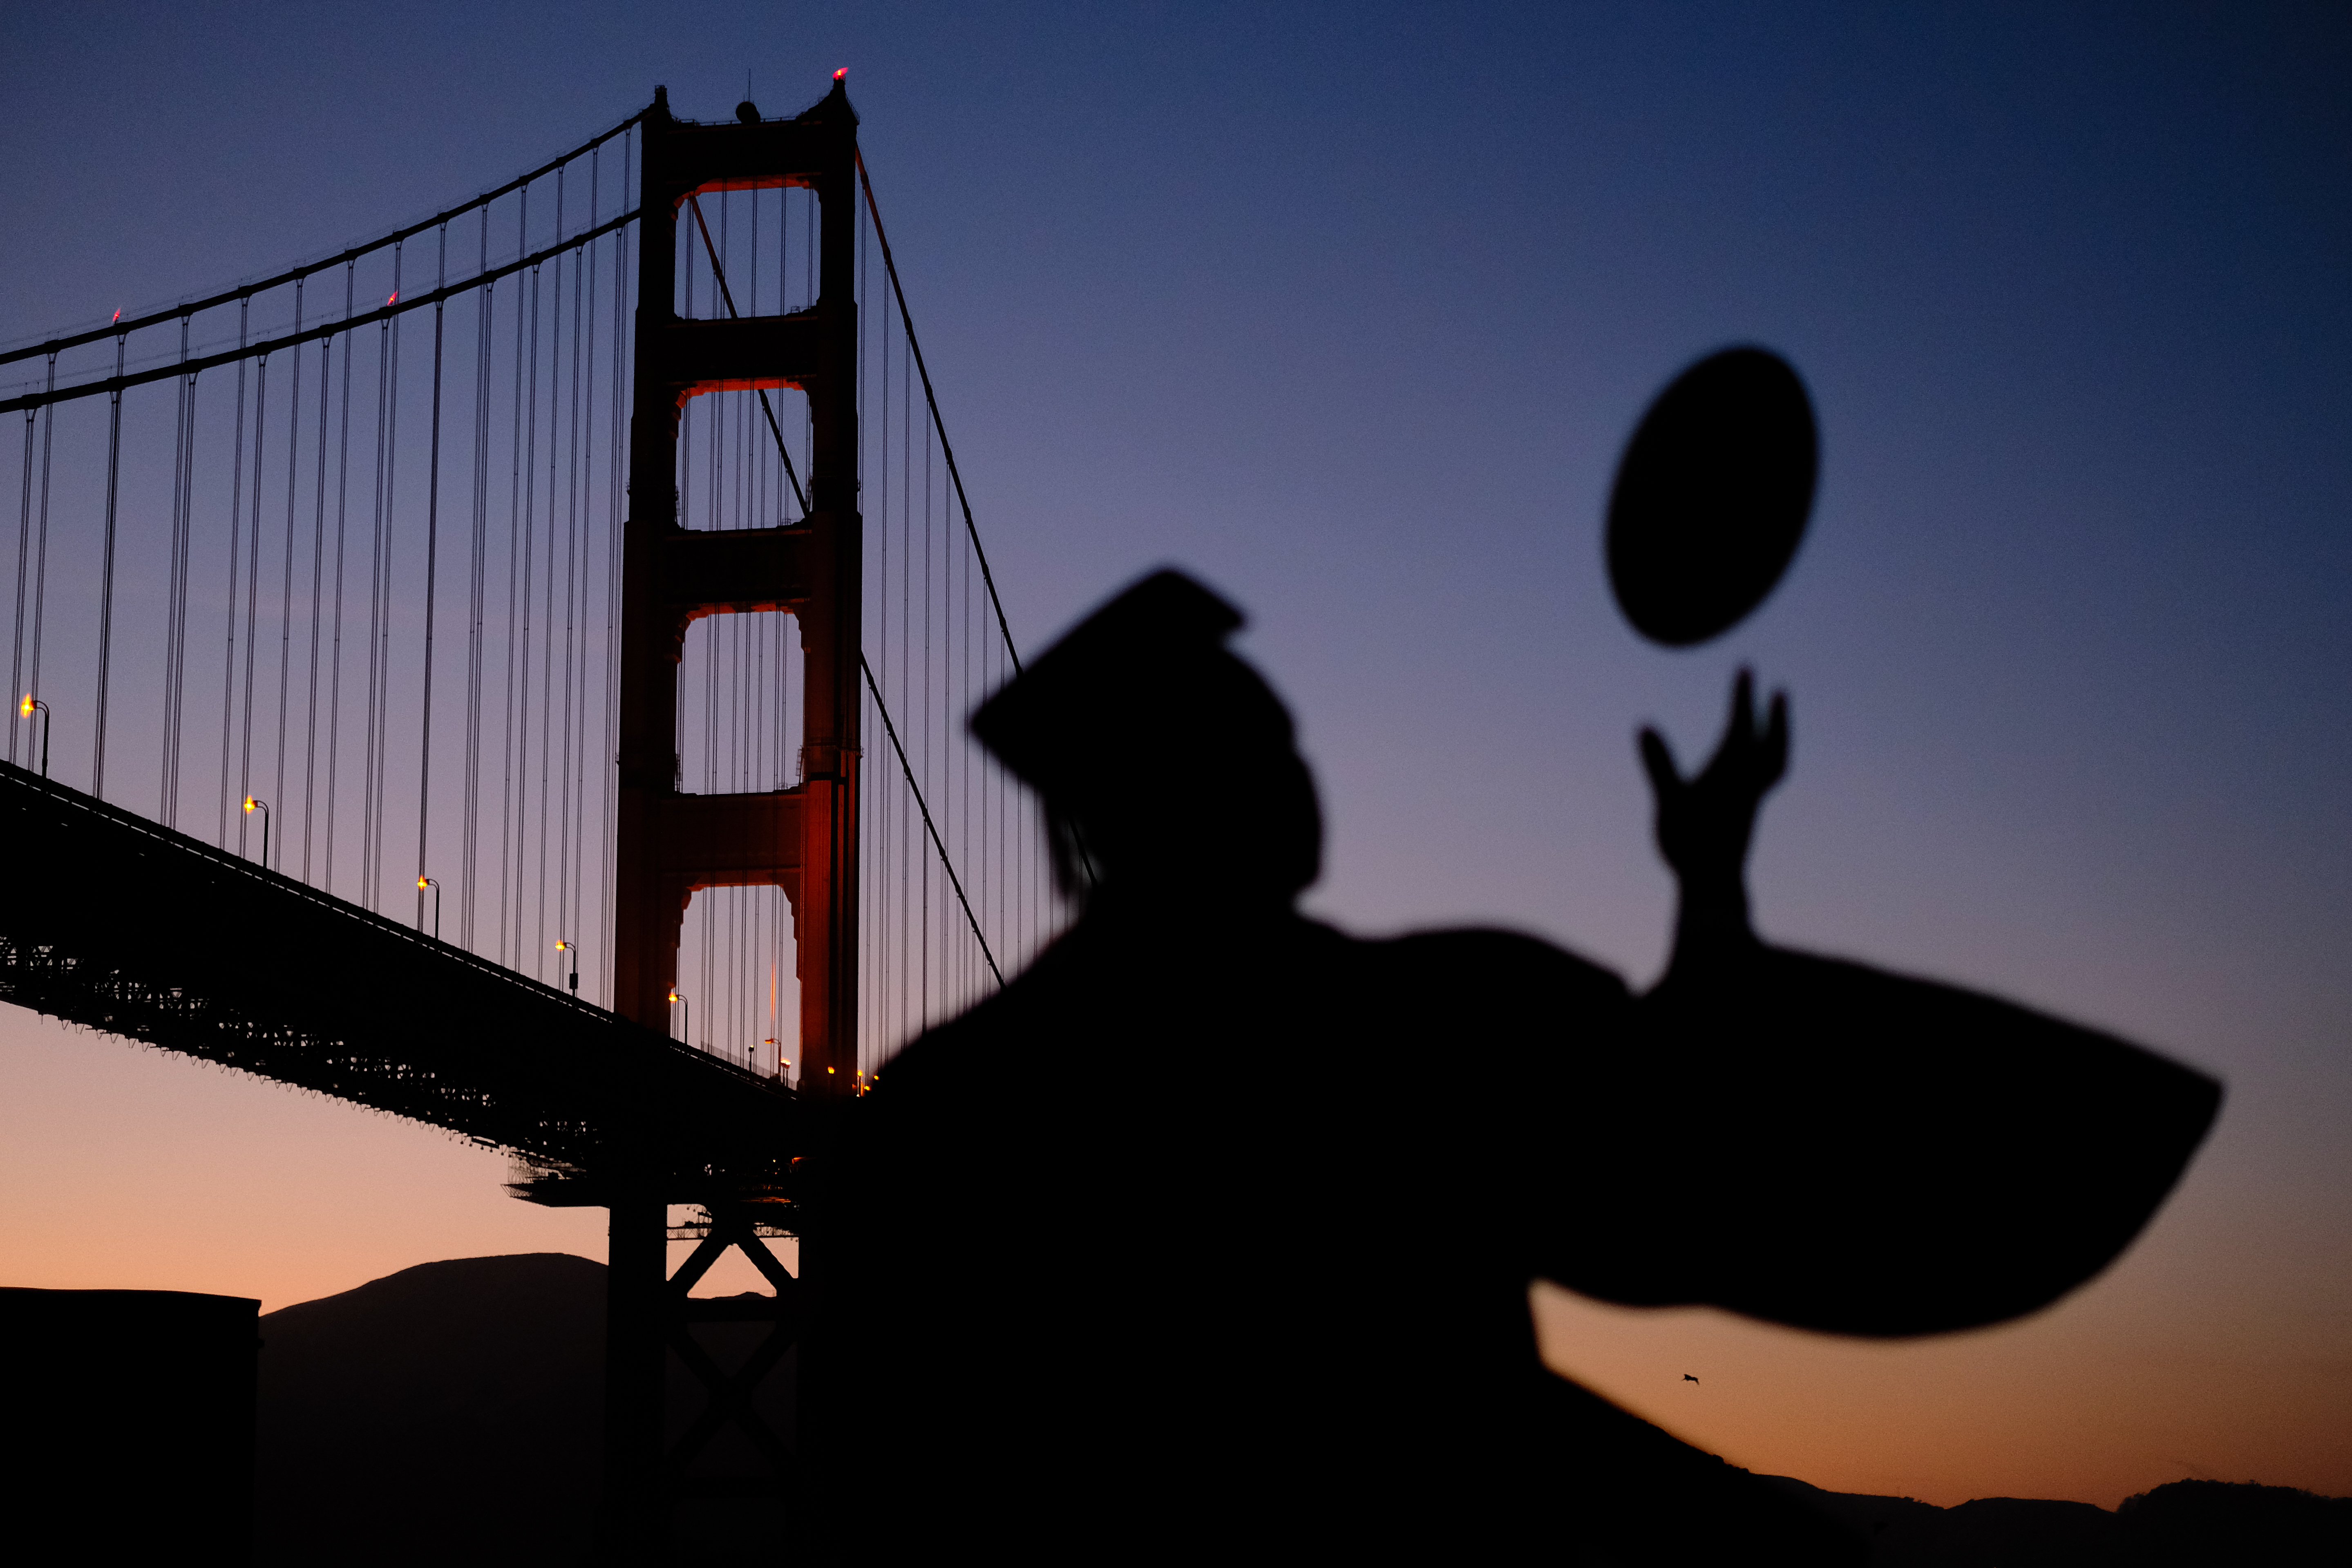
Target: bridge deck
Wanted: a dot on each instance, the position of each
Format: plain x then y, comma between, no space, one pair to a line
120,925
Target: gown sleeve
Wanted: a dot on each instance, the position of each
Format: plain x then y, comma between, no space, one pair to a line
1827,1145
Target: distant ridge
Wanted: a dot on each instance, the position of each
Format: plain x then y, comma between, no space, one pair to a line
2184,1524
452,1413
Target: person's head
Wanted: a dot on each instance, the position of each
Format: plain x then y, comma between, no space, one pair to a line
1165,763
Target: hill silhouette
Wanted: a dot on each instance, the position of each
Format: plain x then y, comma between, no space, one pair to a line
452,1413
2183,1524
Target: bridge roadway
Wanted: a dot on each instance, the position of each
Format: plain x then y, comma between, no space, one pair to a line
123,925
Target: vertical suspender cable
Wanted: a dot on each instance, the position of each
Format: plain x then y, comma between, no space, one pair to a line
515,532
286,588
478,563
252,587
587,559
385,392
342,507
41,538
183,561
106,582
540,946
563,845
431,582
724,636
613,531
24,554
905,510
752,1025
235,514
524,957
711,447
317,585
175,621
379,613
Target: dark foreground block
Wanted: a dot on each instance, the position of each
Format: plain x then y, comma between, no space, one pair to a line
126,1422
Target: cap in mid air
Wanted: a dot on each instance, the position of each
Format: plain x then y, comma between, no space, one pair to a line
1712,496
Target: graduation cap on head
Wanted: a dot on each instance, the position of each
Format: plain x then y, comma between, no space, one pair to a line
1141,691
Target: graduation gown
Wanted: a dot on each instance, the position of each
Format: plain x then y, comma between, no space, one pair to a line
1213,1236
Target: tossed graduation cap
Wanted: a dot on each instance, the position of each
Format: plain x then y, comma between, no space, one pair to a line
1712,496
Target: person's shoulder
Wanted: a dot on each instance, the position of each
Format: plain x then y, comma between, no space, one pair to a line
950,1050
1508,960
972,1046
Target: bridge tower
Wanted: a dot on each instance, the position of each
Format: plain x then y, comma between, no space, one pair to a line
802,840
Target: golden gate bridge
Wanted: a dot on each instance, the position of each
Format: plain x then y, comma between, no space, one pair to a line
510,674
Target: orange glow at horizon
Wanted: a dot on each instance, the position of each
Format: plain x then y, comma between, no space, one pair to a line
2116,1390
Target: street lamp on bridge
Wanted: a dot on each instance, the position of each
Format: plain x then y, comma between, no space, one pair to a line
423,883
686,1015
252,804
571,949
31,704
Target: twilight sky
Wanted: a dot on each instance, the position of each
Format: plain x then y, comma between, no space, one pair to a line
1347,308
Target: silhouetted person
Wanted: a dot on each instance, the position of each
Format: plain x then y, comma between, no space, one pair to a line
1211,1233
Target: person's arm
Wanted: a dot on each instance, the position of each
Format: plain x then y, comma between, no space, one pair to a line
1832,1146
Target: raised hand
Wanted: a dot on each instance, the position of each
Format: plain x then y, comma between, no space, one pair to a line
1704,824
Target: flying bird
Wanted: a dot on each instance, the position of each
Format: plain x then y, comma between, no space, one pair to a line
1688,1378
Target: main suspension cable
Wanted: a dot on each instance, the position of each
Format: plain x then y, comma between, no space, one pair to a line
907,323
341,258
391,310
